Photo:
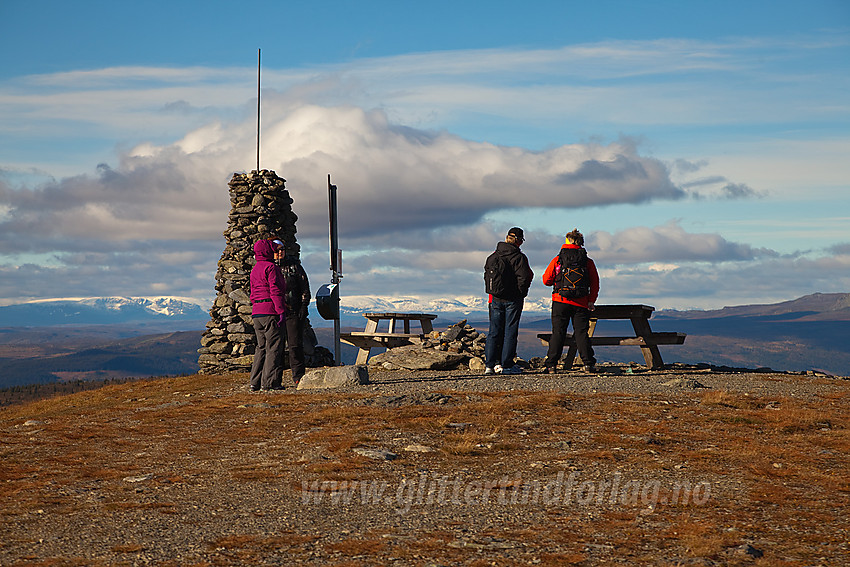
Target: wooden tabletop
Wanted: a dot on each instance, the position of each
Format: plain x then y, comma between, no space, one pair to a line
416,316
622,312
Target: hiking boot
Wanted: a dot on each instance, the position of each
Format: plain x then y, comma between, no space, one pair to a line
498,369
590,369
488,371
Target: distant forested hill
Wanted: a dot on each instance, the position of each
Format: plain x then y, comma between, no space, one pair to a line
808,333
148,355
811,332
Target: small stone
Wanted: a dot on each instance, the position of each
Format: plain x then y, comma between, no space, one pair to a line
237,328
245,361
476,364
686,383
142,478
414,448
377,454
220,348
240,337
239,296
748,549
453,332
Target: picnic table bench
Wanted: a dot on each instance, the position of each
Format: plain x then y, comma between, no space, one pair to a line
394,337
645,338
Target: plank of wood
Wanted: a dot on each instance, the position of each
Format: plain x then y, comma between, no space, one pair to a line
377,340
664,338
622,312
381,335
409,316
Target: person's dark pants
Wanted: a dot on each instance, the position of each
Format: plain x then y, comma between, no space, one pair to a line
267,372
295,345
504,329
562,314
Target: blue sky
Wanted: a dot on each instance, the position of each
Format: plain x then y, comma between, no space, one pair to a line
700,146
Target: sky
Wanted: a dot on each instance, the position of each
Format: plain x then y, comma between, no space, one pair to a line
701,147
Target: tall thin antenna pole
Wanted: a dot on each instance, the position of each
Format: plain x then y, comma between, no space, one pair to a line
258,110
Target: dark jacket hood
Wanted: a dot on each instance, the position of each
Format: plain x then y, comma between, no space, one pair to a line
507,249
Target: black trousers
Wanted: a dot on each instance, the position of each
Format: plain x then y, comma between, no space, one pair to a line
267,371
295,345
562,314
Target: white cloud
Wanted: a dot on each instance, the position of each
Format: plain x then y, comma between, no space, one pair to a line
411,208
391,178
402,138
668,243
801,170
703,285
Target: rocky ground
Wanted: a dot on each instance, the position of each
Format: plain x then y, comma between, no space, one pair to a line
693,465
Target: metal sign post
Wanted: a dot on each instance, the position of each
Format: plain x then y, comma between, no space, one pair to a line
336,262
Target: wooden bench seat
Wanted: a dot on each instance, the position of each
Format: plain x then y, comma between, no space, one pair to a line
364,340
376,334
358,338
663,338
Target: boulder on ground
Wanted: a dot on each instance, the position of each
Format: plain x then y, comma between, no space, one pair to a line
418,357
334,377
476,364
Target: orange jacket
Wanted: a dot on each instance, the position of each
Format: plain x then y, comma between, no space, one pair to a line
549,279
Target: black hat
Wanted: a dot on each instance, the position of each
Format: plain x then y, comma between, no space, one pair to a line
517,233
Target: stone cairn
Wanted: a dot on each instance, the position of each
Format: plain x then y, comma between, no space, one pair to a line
259,204
460,338
460,344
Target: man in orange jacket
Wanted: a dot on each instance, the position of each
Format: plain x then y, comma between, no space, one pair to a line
576,288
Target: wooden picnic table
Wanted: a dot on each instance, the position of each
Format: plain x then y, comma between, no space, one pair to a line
645,338
398,332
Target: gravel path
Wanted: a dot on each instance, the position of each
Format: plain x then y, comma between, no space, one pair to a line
610,377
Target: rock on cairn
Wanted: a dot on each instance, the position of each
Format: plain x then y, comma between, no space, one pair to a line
458,345
259,204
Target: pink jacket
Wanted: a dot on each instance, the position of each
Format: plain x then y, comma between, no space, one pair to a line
268,287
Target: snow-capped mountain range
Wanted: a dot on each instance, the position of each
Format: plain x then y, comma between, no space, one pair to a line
123,310
465,306
101,310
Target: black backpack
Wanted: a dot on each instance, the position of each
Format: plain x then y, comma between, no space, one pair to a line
494,275
572,281
293,284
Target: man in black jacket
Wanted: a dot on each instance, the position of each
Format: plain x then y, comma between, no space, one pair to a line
507,278
297,300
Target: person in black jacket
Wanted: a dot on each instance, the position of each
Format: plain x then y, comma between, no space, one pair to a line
507,278
297,301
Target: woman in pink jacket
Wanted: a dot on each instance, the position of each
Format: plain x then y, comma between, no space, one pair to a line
268,311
